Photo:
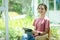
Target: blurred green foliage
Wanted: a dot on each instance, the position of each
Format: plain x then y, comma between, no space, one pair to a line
15,6
54,33
15,27
0,2
20,6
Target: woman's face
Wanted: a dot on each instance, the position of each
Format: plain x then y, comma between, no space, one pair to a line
41,9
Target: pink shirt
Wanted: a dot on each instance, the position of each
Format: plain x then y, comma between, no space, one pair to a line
41,23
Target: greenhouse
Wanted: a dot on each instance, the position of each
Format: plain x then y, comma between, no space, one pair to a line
16,14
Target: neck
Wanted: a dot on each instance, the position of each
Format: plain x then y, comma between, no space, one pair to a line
42,16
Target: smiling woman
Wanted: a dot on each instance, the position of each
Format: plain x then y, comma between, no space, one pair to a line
42,24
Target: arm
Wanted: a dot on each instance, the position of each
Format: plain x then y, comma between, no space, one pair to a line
47,27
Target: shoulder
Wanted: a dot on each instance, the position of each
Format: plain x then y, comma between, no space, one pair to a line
46,18
36,19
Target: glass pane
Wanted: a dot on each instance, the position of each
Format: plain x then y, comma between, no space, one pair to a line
2,27
39,1
0,2
51,4
58,4
20,15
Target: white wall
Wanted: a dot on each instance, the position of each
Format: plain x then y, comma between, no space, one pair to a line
54,16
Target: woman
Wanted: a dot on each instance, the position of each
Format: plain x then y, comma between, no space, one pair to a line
41,24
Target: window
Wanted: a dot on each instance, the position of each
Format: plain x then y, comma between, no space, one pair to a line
58,4
51,4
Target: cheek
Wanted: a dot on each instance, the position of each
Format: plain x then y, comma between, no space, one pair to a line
43,10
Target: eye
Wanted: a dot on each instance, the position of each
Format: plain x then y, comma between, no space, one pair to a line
41,8
38,8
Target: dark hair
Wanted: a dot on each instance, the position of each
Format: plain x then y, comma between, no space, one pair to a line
43,5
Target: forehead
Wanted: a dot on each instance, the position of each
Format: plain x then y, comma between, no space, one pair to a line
41,6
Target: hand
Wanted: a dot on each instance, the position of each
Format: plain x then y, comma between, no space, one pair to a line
35,32
38,33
